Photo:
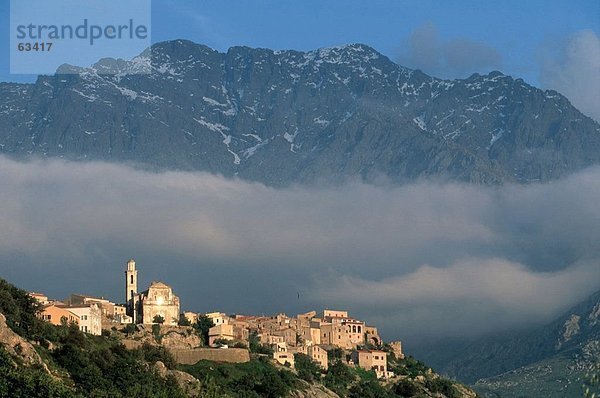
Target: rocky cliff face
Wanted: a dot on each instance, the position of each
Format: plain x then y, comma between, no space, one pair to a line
285,116
17,346
188,383
308,390
554,360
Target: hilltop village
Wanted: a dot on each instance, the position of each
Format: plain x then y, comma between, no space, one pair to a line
155,314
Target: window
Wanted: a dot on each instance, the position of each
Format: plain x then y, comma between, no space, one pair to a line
131,279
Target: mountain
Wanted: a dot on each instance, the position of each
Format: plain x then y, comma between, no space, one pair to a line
282,117
554,360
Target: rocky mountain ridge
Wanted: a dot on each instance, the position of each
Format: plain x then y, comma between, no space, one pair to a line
557,359
282,117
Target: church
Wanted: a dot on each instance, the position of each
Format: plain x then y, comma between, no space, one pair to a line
157,301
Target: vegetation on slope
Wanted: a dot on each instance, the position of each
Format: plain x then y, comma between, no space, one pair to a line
79,365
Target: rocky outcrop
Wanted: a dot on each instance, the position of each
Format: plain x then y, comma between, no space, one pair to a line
570,328
172,337
184,344
307,390
188,383
180,339
17,346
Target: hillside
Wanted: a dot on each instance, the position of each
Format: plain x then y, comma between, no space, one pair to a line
559,359
283,117
38,359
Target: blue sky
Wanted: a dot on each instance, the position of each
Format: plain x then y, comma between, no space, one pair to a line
512,36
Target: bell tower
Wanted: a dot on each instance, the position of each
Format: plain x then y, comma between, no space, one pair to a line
130,281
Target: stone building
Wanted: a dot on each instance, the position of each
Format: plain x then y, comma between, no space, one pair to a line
222,331
58,315
241,330
371,360
335,314
157,301
90,317
106,306
192,317
284,358
218,318
318,355
372,335
40,297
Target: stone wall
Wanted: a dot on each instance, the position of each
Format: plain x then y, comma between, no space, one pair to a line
191,356
131,344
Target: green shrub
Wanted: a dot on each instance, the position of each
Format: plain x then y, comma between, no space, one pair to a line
338,378
368,389
130,329
183,321
409,367
156,332
257,378
443,386
365,374
20,310
222,342
202,326
256,347
334,355
152,354
307,368
30,382
405,388
106,369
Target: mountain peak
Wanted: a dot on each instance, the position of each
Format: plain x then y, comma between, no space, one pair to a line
287,116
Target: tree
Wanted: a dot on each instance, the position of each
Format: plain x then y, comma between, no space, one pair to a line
255,345
222,342
130,329
183,321
202,327
338,377
152,354
20,310
158,319
156,332
29,382
368,389
405,388
441,385
335,355
307,368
